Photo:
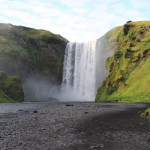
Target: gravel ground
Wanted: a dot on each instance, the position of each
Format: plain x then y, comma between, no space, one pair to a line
76,126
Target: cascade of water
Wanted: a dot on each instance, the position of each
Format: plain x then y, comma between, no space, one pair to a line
79,71
84,70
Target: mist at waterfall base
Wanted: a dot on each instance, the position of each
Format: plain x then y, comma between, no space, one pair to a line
84,70
40,88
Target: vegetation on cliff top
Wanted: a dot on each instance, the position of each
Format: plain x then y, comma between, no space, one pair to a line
26,52
128,79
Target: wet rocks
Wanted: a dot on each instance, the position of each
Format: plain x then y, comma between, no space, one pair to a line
35,111
69,104
97,146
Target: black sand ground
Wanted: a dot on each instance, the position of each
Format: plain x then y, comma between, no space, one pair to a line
76,126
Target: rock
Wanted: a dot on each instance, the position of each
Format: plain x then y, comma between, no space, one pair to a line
148,138
147,114
20,110
146,53
129,21
97,146
69,104
43,129
35,111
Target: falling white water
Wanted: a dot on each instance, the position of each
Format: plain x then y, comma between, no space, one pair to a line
84,70
79,69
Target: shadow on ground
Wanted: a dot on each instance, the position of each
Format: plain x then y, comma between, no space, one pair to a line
122,130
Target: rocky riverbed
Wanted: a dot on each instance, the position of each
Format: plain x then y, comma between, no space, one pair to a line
75,126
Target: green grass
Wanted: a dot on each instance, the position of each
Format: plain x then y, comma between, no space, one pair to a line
4,98
25,51
38,50
129,68
10,88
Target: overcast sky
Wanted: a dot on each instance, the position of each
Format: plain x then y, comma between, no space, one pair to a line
76,20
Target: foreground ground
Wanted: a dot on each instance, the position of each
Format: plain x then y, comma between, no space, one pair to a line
76,126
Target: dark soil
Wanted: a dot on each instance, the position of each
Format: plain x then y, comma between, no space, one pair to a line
77,126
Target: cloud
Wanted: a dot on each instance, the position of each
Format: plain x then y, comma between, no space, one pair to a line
76,20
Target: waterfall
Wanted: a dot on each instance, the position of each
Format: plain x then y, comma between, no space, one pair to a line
84,70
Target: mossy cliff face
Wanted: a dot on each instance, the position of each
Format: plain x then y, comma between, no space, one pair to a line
26,52
128,79
10,88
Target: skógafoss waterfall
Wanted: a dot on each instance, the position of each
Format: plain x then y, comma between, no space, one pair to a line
84,70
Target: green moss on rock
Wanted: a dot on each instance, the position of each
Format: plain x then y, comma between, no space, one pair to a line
129,67
146,114
26,50
10,88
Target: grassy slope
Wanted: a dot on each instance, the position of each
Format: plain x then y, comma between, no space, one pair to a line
129,68
4,97
31,50
26,51
10,88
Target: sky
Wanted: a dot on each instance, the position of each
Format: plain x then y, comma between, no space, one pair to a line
76,20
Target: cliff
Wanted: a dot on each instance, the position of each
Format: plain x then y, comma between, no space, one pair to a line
128,77
26,52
